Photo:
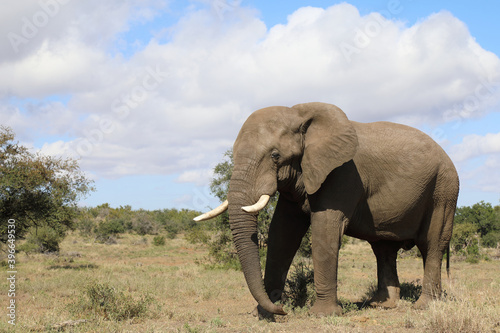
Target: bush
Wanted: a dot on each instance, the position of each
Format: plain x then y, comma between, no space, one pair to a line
197,235
305,249
410,291
159,240
491,239
41,240
106,301
299,288
107,228
143,224
86,226
347,306
221,252
463,236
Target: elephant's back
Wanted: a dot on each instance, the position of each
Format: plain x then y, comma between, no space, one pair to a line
400,167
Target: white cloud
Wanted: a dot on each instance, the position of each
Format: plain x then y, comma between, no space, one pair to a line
214,71
476,145
199,177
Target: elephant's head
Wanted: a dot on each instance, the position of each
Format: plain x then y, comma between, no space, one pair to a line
287,149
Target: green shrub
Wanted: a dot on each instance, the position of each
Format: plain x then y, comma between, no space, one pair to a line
491,239
41,240
108,228
86,226
347,306
197,235
143,224
299,288
305,249
221,253
106,301
159,240
410,291
463,236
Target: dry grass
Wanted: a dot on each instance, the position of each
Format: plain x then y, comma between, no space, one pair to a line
185,297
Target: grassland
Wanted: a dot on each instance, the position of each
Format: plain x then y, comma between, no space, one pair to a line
170,292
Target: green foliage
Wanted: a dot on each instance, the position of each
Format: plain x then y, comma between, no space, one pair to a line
410,291
144,224
305,249
103,221
299,287
463,234
221,252
159,240
37,190
41,240
104,300
481,214
491,239
347,306
465,241
197,235
223,171
484,217
107,228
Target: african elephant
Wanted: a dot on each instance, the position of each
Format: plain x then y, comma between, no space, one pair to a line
386,183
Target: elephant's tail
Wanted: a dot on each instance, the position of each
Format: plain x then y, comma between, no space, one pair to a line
448,261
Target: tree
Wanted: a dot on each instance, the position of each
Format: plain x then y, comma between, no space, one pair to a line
484,217
37,190
481,214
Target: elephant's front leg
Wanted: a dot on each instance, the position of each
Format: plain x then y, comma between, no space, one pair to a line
327,230
288,227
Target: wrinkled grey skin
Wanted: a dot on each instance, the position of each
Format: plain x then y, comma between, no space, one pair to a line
386,183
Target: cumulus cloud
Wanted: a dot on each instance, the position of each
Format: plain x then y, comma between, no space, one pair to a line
177,104
478,160
476,145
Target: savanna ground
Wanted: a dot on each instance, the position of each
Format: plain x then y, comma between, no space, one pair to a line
168,290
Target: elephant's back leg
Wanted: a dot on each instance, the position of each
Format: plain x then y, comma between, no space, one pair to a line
387,293
433,240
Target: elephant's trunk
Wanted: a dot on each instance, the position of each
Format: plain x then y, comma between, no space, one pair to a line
244,230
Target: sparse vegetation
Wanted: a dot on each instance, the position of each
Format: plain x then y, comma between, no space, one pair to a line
299,289
41,240
127,287
159,240
106,301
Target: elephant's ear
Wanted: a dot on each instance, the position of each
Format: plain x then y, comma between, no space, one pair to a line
330,140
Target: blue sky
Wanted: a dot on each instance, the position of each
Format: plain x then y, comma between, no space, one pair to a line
149,94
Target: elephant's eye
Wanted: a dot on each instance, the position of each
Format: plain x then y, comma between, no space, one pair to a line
275,156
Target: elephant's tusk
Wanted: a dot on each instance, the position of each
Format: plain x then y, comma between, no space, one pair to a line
264,199
213,213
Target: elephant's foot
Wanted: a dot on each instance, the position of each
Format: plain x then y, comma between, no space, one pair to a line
423,302
324,309
386,299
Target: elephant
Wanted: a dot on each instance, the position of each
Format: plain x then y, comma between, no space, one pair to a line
386,183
